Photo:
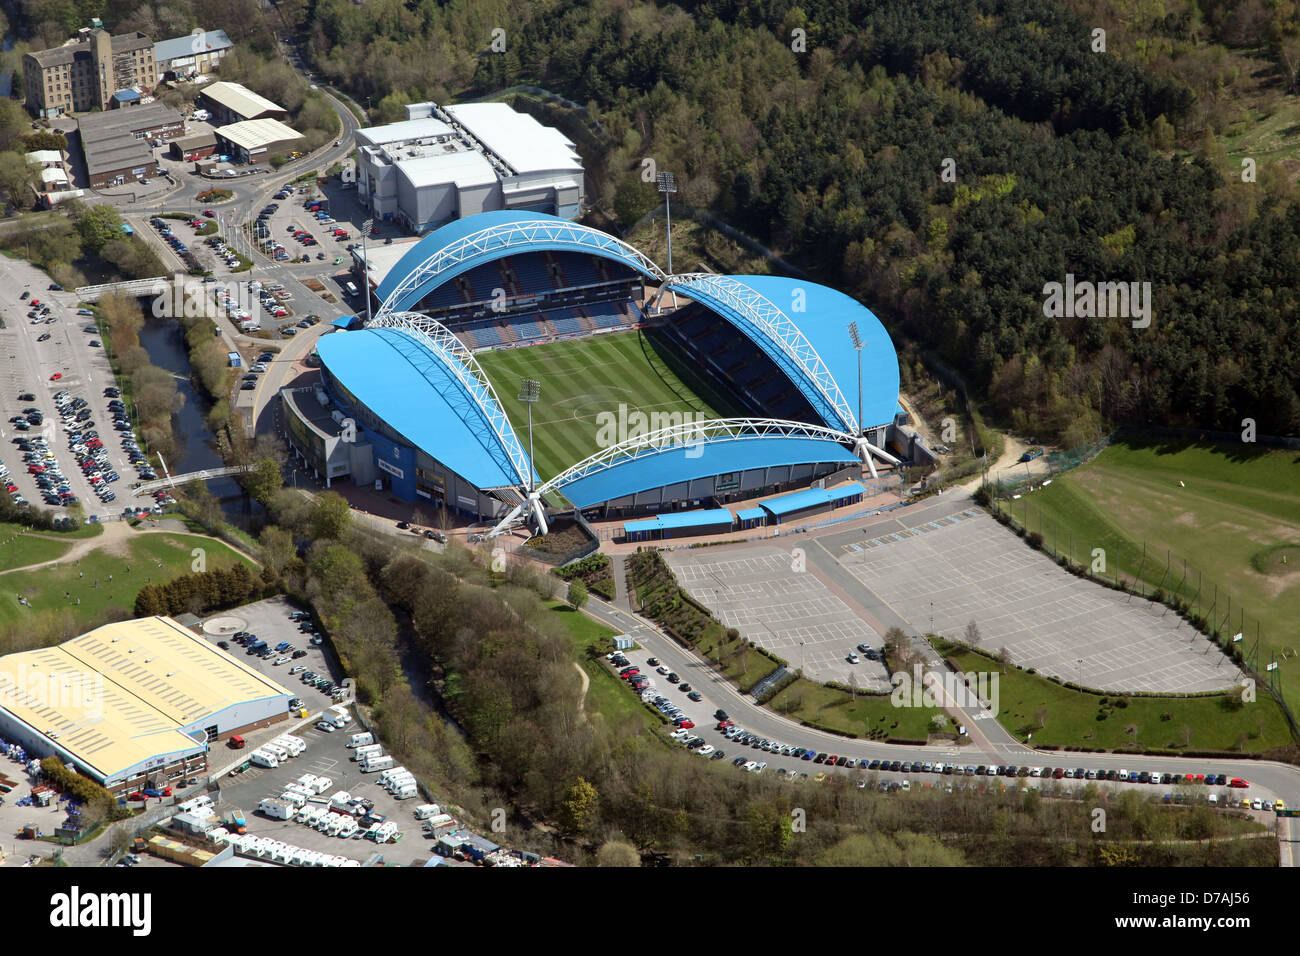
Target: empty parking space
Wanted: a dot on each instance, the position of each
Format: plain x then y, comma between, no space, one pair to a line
782,607
1046,618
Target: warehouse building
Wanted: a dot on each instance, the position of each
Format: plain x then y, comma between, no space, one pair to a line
443,164
116,143
196,146
254,141
133,704
235,103
194,55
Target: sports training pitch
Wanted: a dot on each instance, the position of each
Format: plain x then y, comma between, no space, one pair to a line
583,378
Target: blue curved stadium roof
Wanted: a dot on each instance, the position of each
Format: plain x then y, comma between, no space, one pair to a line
823,321
717,456
601,244
399,378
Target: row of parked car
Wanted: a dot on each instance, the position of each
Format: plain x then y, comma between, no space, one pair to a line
168,236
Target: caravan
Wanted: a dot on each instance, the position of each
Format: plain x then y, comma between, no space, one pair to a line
263,759
361,740
368,750
280,753
377,762
426,810
405,791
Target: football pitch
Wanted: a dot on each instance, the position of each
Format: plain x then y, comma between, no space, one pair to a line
592,389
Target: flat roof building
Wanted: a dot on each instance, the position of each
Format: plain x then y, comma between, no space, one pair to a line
442,164
133,703
234,103
255,140
116,143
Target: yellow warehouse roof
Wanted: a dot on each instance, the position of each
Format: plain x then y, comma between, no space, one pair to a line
120,695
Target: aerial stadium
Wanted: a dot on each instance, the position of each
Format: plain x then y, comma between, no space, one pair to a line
659,394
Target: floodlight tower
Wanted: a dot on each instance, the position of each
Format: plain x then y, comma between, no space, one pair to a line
365,269
530,391
857,347
667,184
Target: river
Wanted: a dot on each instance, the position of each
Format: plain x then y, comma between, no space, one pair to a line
196,445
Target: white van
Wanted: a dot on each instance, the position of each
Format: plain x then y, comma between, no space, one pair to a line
351,287
361,740
263,759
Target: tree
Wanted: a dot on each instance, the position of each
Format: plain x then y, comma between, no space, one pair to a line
100,225
578,807
17,177
577,596
1040,715
617,853
330,515
264,481
973,633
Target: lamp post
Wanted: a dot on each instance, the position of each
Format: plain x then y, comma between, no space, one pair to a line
667,184
530,390
857,347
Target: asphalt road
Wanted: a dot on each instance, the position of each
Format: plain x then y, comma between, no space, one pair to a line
991,744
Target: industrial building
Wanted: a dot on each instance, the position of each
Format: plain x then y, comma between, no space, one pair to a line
117,143
195,146
234,103
193,55
133,704
85,72
254,141
448,163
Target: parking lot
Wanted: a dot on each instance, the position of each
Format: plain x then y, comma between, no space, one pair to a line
60,440
269,620
326,755
1046,618
313,229
782,607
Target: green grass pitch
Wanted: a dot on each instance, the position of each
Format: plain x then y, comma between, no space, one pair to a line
581,378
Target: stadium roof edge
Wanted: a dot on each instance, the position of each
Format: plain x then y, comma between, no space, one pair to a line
465,243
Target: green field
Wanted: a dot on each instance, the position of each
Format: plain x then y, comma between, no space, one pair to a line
608,698
20,547
583,378
137,564
1235,521
1060,717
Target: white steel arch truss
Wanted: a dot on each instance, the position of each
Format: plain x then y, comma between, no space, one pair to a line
777,327
506,235
443,345
684,437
